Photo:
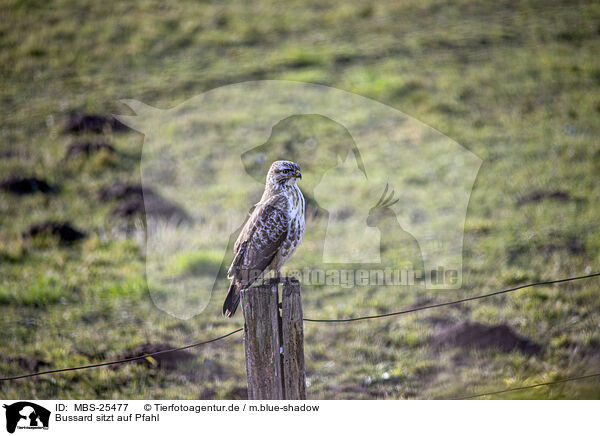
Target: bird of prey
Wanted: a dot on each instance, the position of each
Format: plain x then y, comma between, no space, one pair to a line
271,234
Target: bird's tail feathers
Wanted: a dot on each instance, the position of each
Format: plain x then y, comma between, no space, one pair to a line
232,300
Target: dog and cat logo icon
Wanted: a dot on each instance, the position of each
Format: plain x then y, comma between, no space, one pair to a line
26,415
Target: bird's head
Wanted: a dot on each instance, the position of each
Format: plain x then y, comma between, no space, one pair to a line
283,172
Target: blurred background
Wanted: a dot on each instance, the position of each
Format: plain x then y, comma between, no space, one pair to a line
516,83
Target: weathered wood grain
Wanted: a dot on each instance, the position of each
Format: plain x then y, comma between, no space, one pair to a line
274,342
262,343
293,341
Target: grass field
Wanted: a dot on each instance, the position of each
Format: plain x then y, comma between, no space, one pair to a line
515,83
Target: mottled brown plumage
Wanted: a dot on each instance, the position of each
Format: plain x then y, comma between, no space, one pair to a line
271,234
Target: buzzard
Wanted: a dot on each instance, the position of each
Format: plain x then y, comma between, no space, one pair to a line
271,234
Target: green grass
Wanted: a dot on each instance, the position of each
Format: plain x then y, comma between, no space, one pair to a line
516,84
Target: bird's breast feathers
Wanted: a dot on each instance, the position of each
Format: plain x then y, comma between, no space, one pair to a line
289,200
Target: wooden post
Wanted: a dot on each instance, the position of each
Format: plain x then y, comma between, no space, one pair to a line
262,342
293,341
274,342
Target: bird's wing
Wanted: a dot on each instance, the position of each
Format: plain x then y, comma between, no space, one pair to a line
247,229
260,240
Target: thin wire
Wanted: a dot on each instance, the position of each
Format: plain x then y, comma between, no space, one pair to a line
581,377
449,303
114,362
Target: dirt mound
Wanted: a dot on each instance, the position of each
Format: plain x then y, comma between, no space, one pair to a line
168,361
92,123
479,336
27,185
575,245
537,196
64,230
153,206
209,394
237,393
86,148
29,363
119,191
212,370
135,201
7,154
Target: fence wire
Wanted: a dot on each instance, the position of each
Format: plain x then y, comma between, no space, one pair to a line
345,320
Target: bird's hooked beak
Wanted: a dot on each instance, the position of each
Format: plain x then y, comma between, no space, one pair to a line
298,174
